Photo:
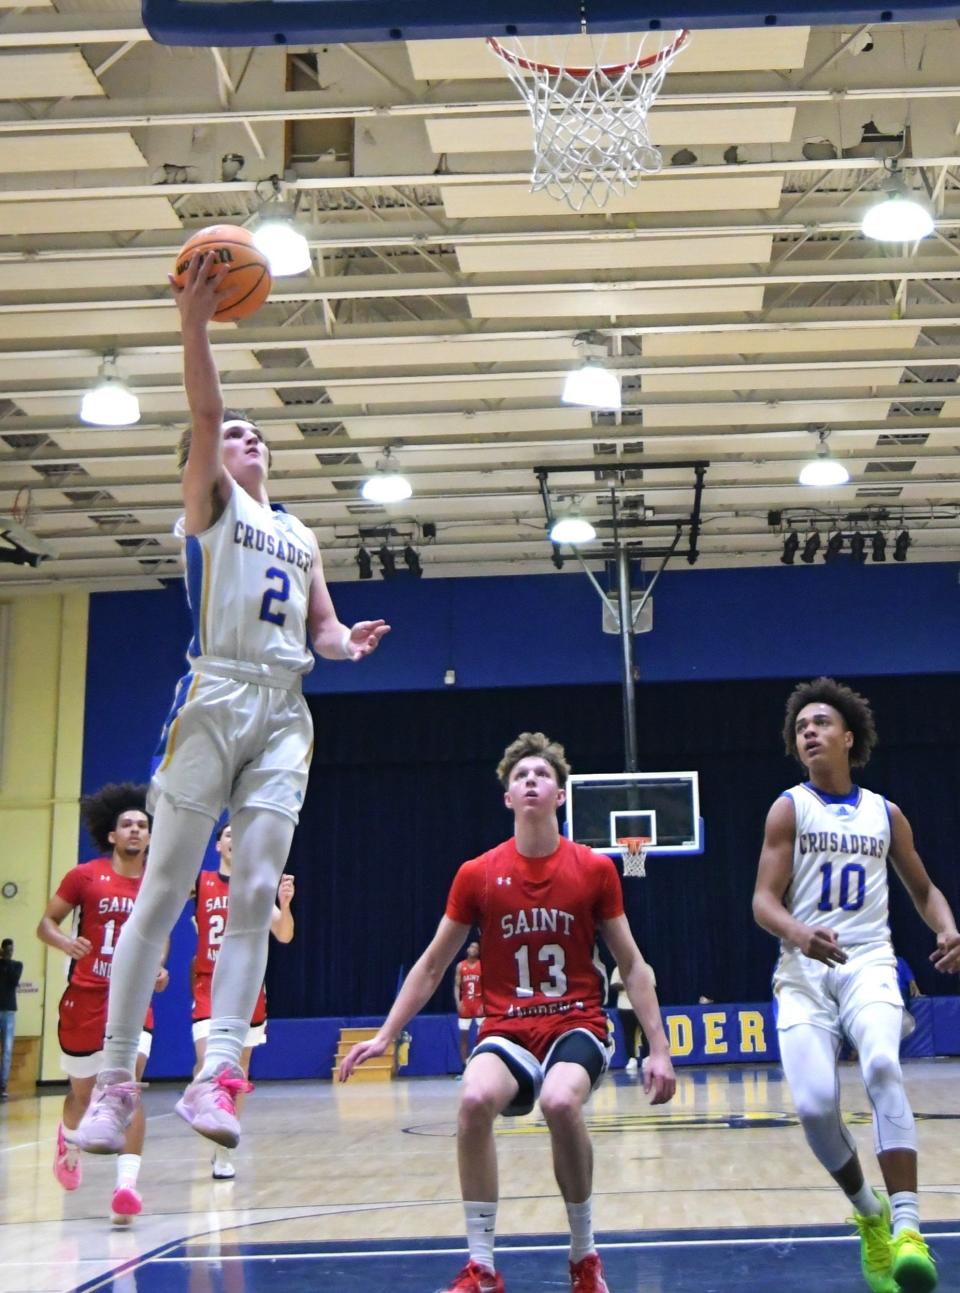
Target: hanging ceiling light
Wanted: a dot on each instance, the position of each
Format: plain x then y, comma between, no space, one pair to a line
286,250
572,529
591,384
110,403
858,547
387,484
834,547
364,563
902,542
879,544
810,548
823,470
898,216
790,545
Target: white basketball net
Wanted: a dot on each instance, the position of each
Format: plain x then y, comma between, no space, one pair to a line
590,137
634,858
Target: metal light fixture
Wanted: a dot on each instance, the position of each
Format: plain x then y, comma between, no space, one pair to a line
591,384
790,545
411,559
572,529
364,563
810,548
901,543
858,547
879,544
834,547
286,250
388,562
110,403
387,484
823,470
898,216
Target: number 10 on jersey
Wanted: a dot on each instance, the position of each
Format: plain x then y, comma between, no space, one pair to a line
853,887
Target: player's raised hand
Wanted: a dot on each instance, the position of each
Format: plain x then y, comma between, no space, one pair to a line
659,1081
78,948
946,958
198,298
285,892
362,1052
822,945
365,638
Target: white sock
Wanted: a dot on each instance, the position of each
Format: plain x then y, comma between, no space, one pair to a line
865,1202
905,1209
70,1136
481,1230
128,1169
222,1155
581,1230
224,1045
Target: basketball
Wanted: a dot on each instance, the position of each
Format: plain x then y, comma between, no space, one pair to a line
246,284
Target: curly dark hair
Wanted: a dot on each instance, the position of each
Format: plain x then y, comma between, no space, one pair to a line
853,708
533,743
103,810
229,415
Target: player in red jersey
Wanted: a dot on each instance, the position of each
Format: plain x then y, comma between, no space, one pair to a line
538,901
101,892
212,902
468,996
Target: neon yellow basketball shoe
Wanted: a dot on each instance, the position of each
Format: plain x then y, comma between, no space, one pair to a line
914,1269
876,1254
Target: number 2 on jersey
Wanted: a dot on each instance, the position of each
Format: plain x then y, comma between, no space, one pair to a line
553,959
280,594
852,877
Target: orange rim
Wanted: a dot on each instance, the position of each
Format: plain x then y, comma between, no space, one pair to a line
611,69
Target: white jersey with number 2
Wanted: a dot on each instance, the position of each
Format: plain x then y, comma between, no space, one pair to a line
840,854
248,585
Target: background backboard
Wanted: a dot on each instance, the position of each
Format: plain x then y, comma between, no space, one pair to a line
663,806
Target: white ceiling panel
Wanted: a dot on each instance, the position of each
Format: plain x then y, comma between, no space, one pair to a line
772,379
644,253
40,368
470,424
782,341
514,134
88,215
742,50
95,272
654,195
55,74
119,324
772,412
439,390
102,150
596,302
431,354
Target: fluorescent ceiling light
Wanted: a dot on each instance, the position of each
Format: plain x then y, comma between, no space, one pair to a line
592,386
573,530
286,250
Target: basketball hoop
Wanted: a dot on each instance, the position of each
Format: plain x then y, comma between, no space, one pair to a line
590,138
634,855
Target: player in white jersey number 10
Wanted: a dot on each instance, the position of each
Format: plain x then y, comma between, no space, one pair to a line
239,736
822,890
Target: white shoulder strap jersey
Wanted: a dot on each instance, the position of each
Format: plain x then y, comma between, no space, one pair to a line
840,863
248,584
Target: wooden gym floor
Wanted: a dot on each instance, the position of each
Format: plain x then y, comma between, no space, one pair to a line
356,1188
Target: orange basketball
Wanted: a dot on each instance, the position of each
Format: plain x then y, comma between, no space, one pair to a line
246,285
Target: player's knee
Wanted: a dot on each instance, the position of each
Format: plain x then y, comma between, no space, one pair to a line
881,1071
816,1109
560,1106
478,1107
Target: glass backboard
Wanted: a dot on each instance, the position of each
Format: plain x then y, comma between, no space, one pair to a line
662,806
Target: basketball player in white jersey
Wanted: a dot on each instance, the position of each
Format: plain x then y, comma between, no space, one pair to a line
239,736
822,890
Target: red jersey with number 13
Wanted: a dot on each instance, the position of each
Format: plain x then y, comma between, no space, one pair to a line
538,920
104,900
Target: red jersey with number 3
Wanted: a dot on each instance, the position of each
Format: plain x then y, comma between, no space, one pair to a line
212,905
471,990
538,919
103,900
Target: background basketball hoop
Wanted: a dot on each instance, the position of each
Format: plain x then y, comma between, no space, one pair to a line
590,136
634,855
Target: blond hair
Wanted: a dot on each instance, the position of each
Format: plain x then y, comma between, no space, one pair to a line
533,744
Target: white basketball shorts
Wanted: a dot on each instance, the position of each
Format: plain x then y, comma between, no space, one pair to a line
831,996
232,743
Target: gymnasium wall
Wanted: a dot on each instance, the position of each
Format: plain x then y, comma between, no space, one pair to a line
402,786
43,650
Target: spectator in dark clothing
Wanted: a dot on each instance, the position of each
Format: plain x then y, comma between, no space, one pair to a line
10,971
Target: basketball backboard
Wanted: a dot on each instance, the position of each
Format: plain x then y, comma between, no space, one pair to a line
314,22
663,807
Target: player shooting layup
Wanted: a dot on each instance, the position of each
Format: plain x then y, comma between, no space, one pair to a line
538,900
822,890
239,736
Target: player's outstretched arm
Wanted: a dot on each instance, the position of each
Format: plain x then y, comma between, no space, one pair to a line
328,636
49,931
418,987
929,901
773,879
206,484
638,980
